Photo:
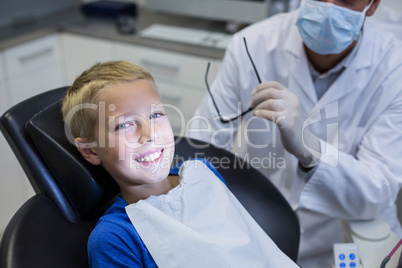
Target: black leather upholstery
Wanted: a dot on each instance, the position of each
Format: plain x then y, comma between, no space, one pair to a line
52,228
96,187
40,236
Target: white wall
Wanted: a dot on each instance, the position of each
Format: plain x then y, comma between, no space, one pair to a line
389,16
394,4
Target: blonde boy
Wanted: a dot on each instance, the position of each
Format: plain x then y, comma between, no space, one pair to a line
181,217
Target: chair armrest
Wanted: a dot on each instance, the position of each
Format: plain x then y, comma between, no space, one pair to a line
39,236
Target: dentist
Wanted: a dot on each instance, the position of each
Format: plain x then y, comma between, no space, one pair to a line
327,116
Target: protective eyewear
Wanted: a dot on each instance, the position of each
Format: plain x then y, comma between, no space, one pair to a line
226,119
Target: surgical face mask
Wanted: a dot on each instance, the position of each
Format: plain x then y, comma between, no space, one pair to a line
327,28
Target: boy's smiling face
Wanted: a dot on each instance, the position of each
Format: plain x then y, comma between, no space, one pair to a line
135,139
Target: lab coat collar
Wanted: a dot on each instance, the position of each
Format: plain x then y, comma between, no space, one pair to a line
300,76
365,53
300,73
294,42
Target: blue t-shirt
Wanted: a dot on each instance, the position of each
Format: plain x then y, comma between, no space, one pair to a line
115,242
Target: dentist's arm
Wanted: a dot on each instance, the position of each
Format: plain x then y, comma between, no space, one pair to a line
359,186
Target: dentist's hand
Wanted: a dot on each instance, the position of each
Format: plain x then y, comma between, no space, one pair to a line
273,101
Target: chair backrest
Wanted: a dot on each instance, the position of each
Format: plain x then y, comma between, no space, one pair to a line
52,228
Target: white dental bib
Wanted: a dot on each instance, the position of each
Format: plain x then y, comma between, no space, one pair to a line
200,223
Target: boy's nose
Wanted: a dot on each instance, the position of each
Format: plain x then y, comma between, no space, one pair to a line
149,133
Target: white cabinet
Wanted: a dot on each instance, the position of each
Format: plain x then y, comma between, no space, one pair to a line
80,53
34,67
14,186
25,70
179,78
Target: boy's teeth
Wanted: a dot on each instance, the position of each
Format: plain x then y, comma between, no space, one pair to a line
150,157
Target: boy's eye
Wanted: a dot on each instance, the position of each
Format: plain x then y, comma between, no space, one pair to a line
123,126
156,115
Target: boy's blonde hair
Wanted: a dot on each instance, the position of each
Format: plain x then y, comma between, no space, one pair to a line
87,89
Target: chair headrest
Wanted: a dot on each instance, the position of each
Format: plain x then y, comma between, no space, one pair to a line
88,188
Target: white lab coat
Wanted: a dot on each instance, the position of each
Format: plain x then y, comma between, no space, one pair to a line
361,114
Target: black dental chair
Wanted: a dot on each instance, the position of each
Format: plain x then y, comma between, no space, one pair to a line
51,229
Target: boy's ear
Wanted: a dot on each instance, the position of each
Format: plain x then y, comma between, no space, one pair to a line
87,151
